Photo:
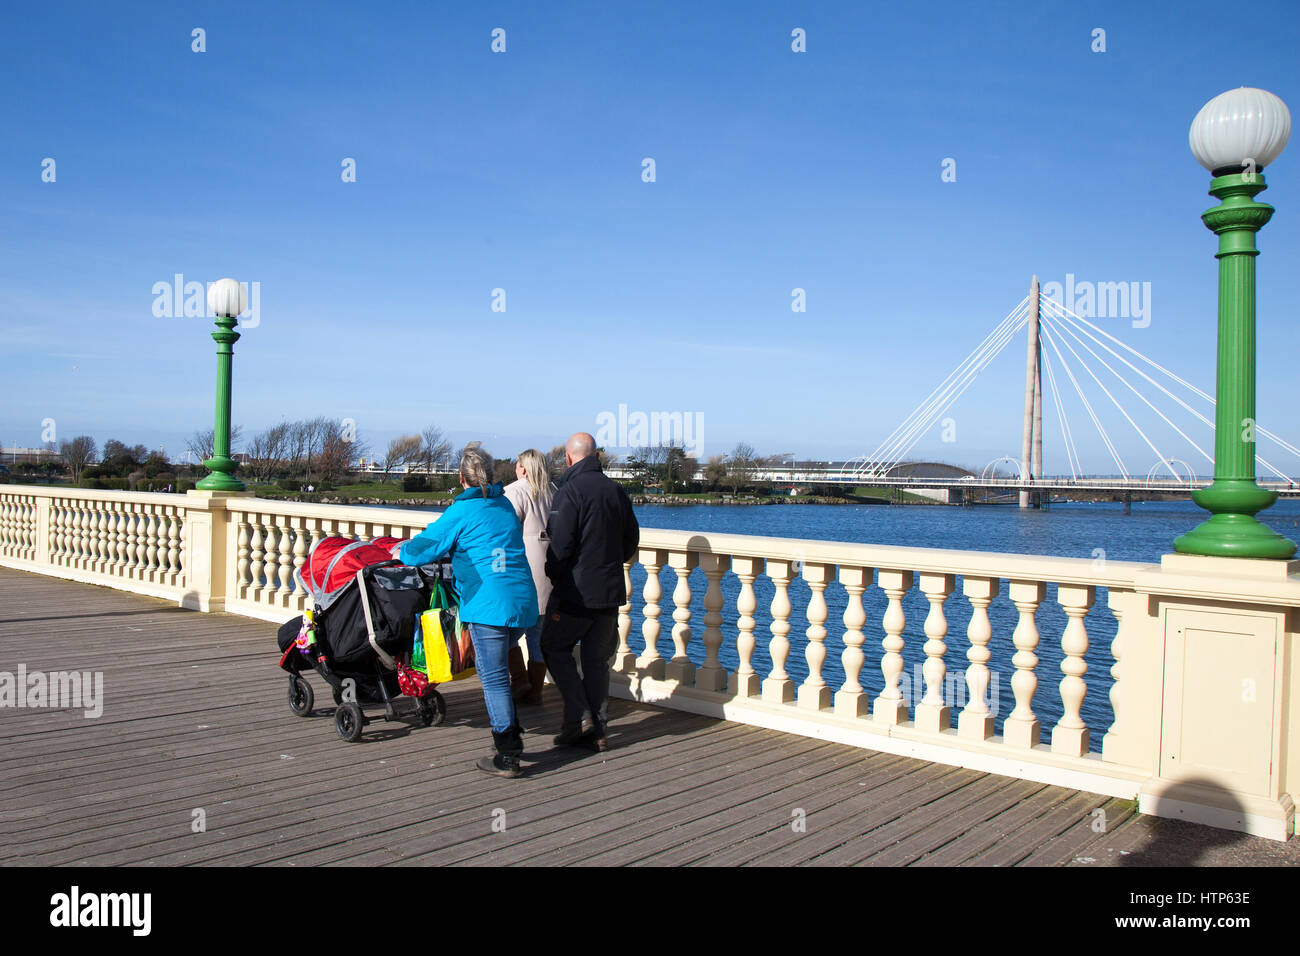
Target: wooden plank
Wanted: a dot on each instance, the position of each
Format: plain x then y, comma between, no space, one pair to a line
195,717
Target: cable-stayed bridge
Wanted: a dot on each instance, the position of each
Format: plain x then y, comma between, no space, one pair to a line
1106,375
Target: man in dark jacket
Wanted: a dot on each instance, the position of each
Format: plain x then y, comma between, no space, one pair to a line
592,533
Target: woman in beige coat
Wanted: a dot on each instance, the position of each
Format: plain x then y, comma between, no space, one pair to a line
531,497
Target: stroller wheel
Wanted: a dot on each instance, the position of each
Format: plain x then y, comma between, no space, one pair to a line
348,722
433,709
301,696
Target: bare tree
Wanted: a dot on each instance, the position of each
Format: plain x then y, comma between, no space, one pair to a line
435,449
740,466
268,450
201,444
77,454
402,450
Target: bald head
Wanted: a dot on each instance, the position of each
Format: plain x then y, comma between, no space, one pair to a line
579,446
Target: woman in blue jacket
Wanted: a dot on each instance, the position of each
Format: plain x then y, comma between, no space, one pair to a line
497,597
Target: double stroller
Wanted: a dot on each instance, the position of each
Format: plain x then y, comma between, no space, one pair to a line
359,634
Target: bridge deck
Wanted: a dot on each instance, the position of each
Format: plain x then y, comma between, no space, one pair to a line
195,718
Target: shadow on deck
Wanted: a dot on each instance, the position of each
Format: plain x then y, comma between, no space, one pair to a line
196,725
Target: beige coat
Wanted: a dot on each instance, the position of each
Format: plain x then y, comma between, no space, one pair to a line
533,513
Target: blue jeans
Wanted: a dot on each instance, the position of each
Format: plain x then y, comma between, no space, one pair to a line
491,649
533,636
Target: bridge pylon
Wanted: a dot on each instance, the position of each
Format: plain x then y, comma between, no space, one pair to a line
1031,445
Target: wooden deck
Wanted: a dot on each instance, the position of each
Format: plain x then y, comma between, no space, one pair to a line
196,718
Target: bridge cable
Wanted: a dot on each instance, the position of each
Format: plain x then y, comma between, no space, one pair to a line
1071,453
1149,404
1066,314
1114,401
906,435
1101,430
1183,382
978,356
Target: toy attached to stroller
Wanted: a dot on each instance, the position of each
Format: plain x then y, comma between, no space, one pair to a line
359,635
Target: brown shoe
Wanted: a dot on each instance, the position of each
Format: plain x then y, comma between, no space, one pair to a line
537,680
518,674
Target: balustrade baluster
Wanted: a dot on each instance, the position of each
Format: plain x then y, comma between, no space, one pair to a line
182,562
814,694
302,531
745,681
76,534
242,578
56,531
1113,742
257,556
119,539
1021,728
890,707
102,554
650,663
850,699
151,546
681,668
976,720
173,545
624,659
133,540
88,537
141,543
270,561
12,525
778,688
932,711
286,563
1070,735
711,676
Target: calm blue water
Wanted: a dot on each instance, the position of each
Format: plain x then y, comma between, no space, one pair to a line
1073,530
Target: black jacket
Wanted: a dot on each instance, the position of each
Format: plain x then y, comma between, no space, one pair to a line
592,533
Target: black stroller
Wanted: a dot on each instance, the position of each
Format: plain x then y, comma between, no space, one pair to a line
360,634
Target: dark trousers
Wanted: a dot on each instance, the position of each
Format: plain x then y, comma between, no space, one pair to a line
597,636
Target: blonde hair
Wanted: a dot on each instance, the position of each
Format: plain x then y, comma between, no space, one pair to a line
476,467
535,473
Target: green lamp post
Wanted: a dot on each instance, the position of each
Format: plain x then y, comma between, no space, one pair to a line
1235,136
227,299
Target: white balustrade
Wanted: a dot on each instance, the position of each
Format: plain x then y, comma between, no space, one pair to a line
814,692
149,543
778,688
650,663
891,707
850,699
1022,728
932,713
1070,735
681,668
976,720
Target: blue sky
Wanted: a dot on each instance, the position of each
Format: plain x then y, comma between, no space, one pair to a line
522,171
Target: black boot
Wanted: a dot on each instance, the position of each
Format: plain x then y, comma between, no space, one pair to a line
505,762
580,735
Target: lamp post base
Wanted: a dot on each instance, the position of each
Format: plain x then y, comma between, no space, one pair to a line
1233,531
220,478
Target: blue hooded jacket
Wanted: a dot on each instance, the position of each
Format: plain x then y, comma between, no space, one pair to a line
486,543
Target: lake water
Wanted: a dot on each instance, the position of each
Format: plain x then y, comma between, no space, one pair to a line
1091,531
